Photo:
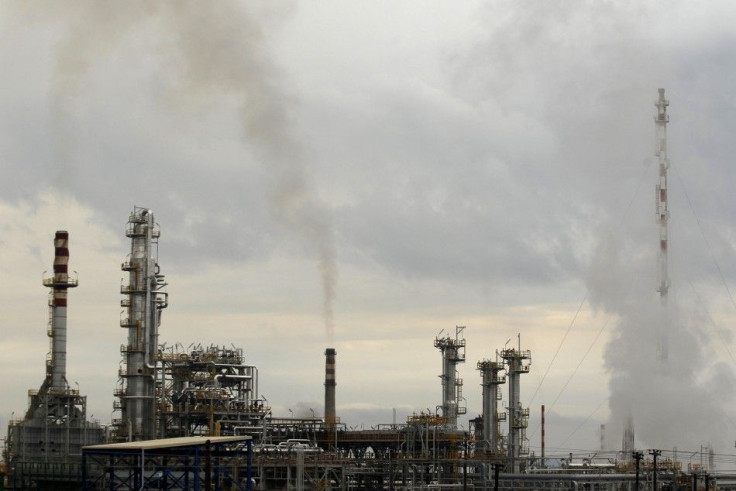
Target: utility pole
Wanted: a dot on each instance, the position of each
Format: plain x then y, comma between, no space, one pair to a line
637,456
655,454
695,481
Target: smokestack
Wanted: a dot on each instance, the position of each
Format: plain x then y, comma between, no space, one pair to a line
330,414
59,283
603,437
543,436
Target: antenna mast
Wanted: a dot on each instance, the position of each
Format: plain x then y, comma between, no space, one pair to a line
663,213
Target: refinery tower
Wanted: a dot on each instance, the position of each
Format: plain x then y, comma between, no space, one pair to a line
143,299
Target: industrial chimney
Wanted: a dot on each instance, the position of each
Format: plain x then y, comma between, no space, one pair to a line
59,283
330,414
55,426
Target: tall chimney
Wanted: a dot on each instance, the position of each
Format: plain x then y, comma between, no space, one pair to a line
330,415
59,283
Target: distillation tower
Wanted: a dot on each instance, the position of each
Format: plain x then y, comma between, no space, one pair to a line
143,299
453,352
663,216
518,363
55,426
491,379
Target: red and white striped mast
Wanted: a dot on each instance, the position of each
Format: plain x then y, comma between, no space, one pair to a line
663,213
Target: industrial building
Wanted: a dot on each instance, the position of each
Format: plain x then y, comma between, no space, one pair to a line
172,402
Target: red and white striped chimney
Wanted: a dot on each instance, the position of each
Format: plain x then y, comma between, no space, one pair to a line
59,283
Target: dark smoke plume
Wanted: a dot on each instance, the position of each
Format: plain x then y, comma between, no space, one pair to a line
215,52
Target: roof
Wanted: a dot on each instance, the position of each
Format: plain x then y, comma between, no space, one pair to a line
185,441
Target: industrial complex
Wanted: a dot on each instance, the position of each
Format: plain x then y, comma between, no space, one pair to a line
194,418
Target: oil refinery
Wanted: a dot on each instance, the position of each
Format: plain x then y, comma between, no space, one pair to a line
195,418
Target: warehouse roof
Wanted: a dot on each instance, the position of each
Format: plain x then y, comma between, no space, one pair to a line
186,441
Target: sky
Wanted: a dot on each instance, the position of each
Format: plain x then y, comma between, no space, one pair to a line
364,175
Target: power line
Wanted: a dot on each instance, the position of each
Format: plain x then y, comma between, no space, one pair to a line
572,375
585,421
712,256
629,206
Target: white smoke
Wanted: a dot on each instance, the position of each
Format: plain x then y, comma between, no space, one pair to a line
678,402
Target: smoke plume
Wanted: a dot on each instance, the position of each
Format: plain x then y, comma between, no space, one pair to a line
208,54
678,402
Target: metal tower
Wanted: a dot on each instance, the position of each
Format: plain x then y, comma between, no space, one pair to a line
453,352
491,380
518,363
143,298
663,216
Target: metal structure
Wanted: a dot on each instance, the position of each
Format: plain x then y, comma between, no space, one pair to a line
663,216
143,299
207,391
490,372
518,363
453,352
170,463
48,441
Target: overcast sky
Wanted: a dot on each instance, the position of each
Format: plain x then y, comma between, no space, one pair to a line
365,174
